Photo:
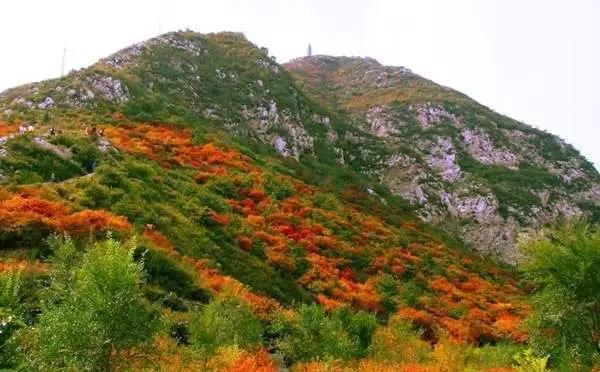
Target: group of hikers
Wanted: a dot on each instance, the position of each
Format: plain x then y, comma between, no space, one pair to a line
25,129
90,131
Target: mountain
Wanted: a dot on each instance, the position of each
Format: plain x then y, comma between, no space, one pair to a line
457,160
485,176
327,180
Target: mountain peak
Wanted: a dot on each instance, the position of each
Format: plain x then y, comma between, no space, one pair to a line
336,61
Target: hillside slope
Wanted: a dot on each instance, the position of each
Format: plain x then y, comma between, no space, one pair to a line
238,180
452,157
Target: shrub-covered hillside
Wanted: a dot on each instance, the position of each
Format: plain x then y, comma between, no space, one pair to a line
465,167
181,205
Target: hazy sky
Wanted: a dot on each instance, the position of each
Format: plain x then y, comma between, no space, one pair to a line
535,60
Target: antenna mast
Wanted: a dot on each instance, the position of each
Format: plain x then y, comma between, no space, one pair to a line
62,67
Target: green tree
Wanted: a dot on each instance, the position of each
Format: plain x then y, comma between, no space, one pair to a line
225,321
99,312
563,263
313,334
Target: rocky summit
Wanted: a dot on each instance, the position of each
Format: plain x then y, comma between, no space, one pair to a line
312,215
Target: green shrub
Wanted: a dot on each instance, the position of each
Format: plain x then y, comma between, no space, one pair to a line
279,188
84,152
398,342
564,263
225,321
387,287
101,310
312,334
411,294
11,316
526,361
164,272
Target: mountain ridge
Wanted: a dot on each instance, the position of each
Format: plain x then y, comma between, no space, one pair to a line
429,144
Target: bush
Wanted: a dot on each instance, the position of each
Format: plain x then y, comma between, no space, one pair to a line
312,334
528,362
165,273
84,153
398,342
279,188
564,263
11,293
387,287
99,312
225,322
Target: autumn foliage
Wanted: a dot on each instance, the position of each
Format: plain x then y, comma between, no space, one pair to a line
171,146
7,129
20,211
456,300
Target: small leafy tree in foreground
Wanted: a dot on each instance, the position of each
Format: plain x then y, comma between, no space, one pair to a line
101,311
312,334
226,321
564,264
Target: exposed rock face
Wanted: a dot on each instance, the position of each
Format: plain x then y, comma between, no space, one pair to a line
79,97
47,103
380,122
109,88
480,207
481,148
268,124
429,115
443,159
569,170
128,56
404,176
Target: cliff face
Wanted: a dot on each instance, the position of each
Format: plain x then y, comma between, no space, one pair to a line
466,167
475,173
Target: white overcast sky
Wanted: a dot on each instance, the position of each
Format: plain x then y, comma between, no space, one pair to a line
535,60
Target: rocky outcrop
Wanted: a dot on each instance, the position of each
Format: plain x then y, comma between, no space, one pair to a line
442,159
128,56
429,115
380,122
282,129
480,146
109,88
46,104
